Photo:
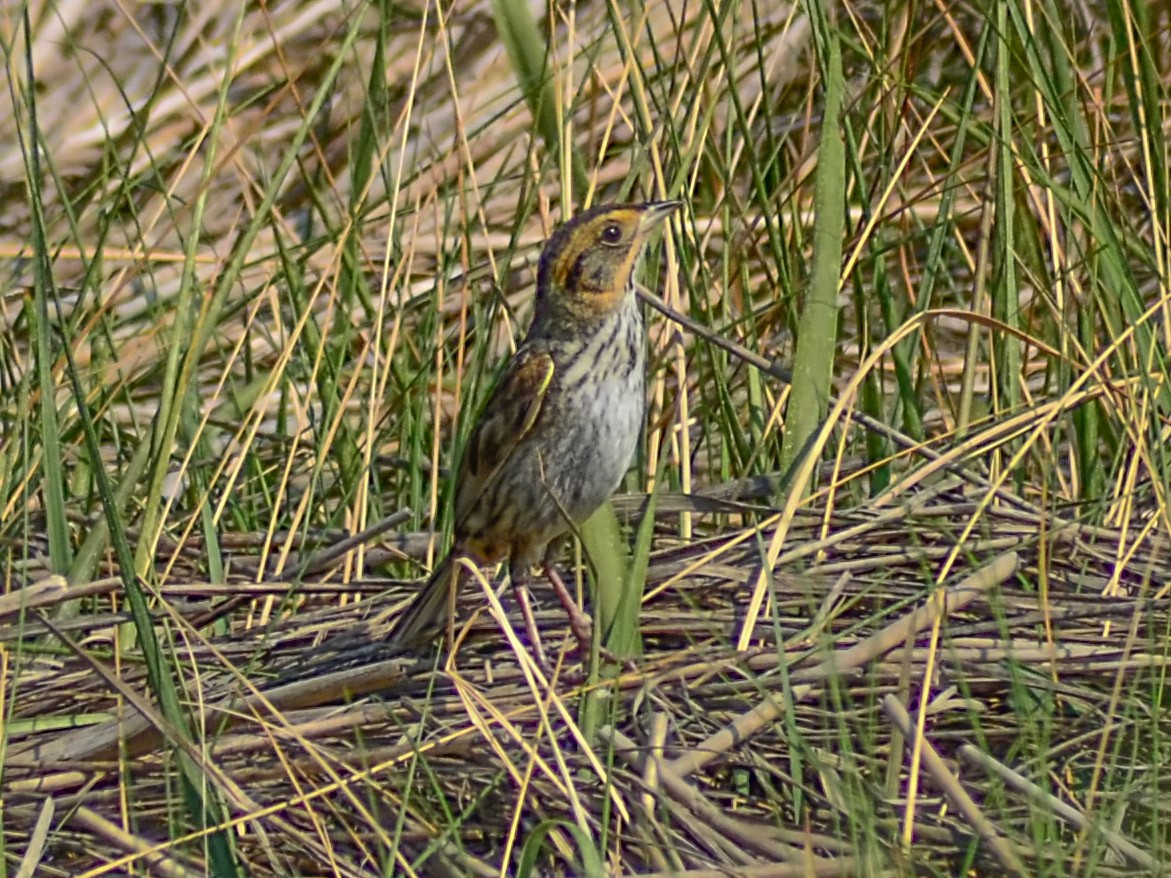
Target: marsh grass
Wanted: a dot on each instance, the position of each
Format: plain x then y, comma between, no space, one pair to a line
258,265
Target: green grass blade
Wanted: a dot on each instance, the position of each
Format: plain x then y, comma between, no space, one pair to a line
817,337
202,802
194,342
1004,288
528,54
52,472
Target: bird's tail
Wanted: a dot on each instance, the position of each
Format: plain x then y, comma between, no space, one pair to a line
429,608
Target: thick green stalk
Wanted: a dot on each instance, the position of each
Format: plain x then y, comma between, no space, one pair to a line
817,333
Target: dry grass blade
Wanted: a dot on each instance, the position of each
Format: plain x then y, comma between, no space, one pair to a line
36,842
842,662
738,836
955,792
1124,846
156,861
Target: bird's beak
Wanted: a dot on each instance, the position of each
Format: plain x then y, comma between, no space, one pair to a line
654,214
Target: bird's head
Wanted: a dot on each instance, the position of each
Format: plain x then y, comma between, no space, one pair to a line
587,266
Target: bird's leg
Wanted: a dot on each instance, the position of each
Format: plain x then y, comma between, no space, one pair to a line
579,621
519,574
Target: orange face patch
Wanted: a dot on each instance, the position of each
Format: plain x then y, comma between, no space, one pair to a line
614,234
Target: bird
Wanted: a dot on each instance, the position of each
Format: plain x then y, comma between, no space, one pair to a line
559,428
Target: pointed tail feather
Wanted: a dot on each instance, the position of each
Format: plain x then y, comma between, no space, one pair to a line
429,608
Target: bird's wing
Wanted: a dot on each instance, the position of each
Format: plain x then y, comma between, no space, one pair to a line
508,417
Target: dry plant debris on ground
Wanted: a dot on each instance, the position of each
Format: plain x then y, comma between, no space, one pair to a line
698,762
311,231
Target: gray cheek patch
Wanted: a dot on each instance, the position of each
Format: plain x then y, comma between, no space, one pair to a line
601,275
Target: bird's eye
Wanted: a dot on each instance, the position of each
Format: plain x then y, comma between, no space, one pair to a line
612,234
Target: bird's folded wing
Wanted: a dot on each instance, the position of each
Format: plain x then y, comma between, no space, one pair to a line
508,417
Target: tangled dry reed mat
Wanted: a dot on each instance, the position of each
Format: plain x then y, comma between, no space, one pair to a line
707,761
